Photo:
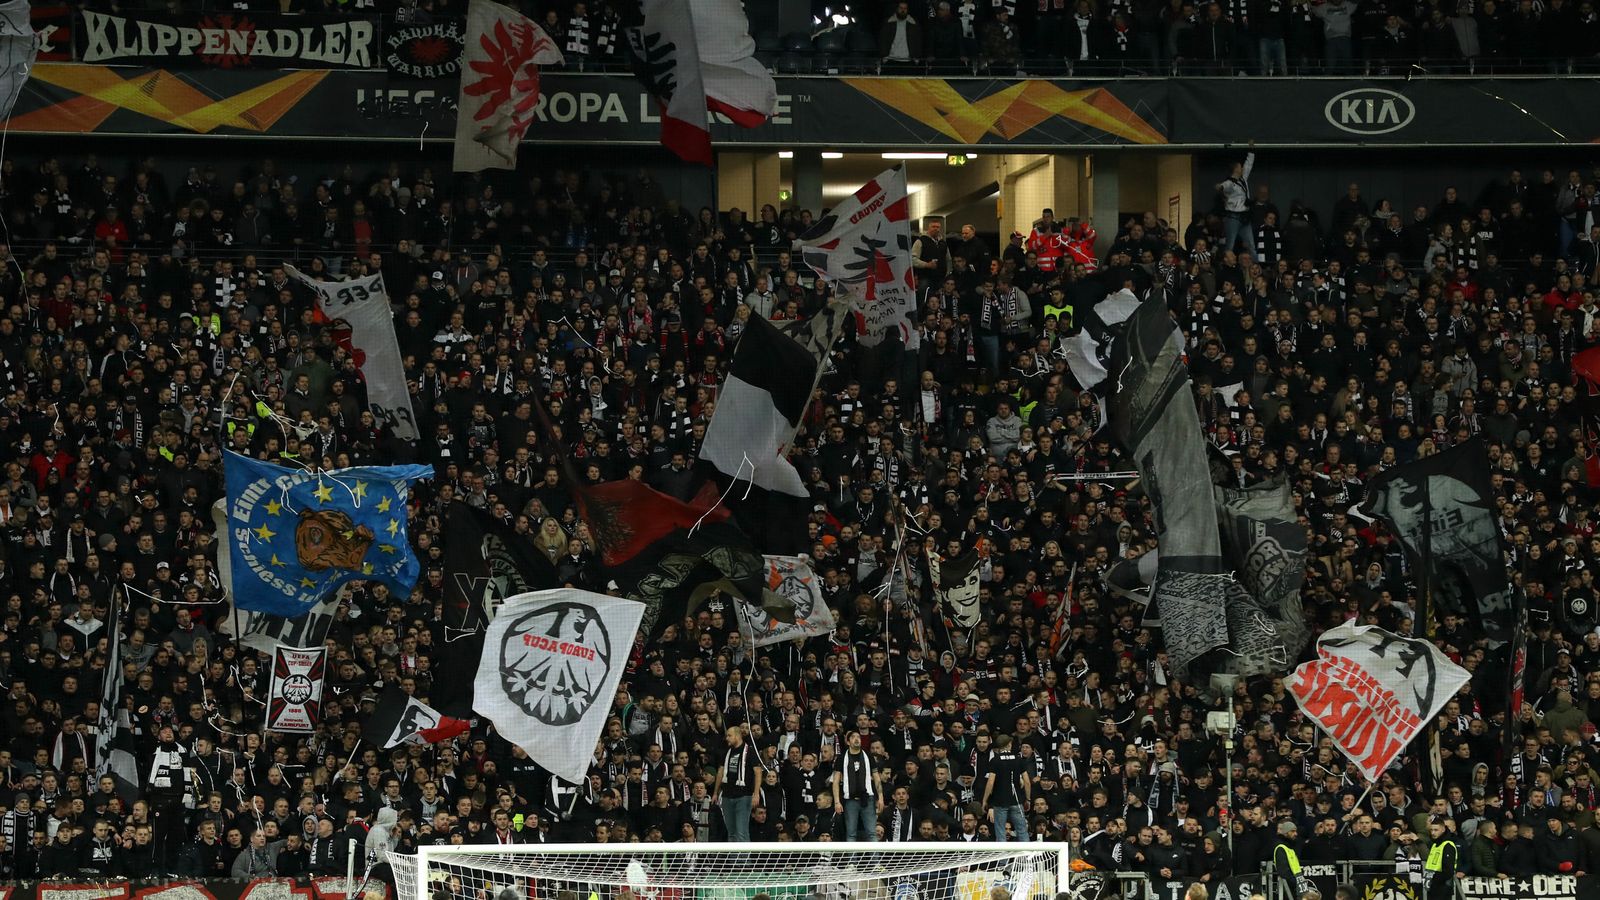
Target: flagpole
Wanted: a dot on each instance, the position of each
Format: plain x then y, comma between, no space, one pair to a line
1429,768
1364,795
1425,573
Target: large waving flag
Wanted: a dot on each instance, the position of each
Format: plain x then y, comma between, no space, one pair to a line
697,55
265,631
400,718
1442,507
760,408
294,536
1372,691
485,561
550,666
793,589
1152,416
362,322
863,248
499,85
626,517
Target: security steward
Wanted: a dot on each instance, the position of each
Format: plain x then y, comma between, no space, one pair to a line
1286,860
1439,867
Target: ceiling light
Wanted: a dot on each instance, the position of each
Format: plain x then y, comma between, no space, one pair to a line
914,156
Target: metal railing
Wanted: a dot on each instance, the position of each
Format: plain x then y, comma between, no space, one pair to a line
1138,886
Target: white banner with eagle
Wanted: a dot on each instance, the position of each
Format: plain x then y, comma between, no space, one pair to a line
294,700
500,61
551,663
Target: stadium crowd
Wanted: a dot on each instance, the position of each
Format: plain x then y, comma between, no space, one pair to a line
1262,37
149,324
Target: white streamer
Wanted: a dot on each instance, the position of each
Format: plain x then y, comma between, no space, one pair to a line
731,486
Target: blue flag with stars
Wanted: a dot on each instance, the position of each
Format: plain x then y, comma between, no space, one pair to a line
294,536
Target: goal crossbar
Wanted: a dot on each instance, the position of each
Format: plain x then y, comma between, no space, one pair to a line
725,871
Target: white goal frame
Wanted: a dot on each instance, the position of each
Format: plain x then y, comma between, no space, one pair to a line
1056,856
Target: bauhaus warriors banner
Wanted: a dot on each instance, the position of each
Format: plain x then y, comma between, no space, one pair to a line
833,113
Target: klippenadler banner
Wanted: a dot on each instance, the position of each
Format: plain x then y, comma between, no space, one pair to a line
295,704
363,324
1372,691
228,40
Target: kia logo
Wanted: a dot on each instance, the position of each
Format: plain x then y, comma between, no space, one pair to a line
1370,111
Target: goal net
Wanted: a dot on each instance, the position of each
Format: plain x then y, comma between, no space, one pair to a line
945,871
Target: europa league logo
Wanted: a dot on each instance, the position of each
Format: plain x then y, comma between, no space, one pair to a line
555,661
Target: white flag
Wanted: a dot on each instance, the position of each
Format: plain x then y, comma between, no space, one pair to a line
863,247
551,664
796,586
361,322
499,85
19,47
1373,691
697,55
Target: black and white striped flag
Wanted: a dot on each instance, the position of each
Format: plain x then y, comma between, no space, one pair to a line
759,409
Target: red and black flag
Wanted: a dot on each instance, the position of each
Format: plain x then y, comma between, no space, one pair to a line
401,718
1586,378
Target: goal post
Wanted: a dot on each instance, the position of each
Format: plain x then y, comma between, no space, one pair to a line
694,871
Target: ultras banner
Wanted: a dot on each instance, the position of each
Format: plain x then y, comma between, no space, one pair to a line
321,888
227,40
1372,691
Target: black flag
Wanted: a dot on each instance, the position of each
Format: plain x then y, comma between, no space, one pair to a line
1265,546
681,570
1443,511
485,562
1152,414
959,588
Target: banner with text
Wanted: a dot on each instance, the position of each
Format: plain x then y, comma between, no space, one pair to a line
1537,887
228,40
304,888
1372,691
294,703
408,84
362,324
424,49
